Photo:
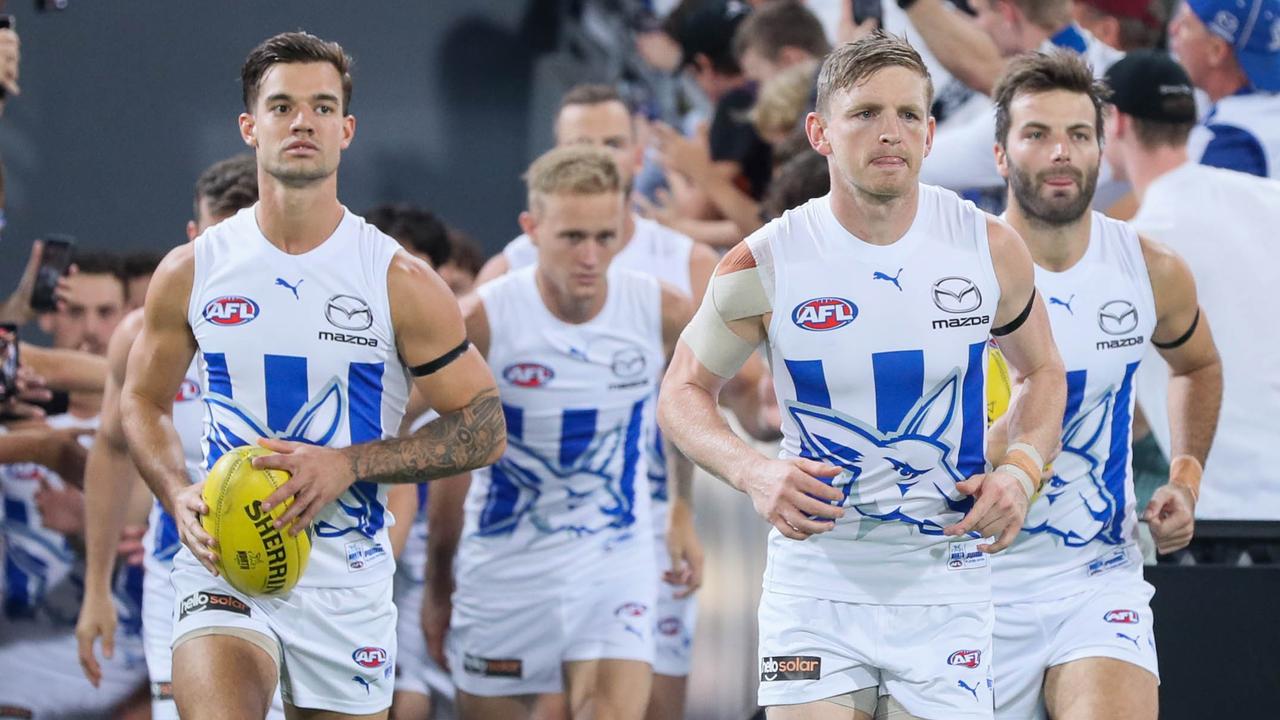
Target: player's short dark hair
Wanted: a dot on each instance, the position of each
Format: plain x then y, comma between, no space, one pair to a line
1040,72
230,185
592,94
802,178
780,24
466,252
141,263
1152,134
416,229
293,47
98,262
852,63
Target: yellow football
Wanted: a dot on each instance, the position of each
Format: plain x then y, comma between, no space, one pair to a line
254,557
999,386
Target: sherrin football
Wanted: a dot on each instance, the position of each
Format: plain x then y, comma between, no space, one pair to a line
999,384
253,556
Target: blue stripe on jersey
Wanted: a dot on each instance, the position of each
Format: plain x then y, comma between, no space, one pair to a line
899,382
1075,394
658,469
17,598
219,377
973,414
1116,470
167,540
810,382
128,593
630,458
285,381
577,430
364,407
515,421
422,496
498,513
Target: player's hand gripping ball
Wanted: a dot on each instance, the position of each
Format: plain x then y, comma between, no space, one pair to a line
253,555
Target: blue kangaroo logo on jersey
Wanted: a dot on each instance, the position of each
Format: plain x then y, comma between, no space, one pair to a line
1064,303
882,478
553,497
317,422
877,275
1075,505
292,288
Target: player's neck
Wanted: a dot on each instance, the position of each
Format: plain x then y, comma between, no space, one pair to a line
298,219
564,307
1053,247
1150,165
873,219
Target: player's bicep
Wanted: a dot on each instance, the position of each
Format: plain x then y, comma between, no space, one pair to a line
1021,324
1182,335
159,358
730,320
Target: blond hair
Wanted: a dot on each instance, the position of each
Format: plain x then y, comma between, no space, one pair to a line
783,100
853,63
572,170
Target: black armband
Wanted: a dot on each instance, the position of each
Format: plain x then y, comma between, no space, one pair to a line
1016,323
1183,338
439,363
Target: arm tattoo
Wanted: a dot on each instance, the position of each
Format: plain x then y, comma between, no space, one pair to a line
455,442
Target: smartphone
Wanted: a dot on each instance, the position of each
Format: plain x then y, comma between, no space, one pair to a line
864,10
55,258
8,361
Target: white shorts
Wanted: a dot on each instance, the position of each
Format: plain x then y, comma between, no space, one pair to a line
40,674
416,672
504,643
674,623
157,634
337,645
933,659
1112,620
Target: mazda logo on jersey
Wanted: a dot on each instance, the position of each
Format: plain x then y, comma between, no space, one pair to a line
824,313
956,295
348,312
628,362
1118,317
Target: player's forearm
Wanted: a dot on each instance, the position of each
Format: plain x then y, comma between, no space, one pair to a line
963,48
690,418
1035,415
680,470
69,370
1195,398
154,447
445,517
470,437
109,478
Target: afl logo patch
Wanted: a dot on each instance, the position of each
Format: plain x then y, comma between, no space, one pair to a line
188,391
230,310
1122,617
369,657
965,658
824,313
529,375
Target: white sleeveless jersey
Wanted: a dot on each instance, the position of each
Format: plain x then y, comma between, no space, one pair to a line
1083,520
661,253
43,577
300,347
571,488
162,541
878,361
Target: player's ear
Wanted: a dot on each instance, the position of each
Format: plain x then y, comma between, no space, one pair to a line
192,230
816,130
529,223
247,127
1002,161
348,130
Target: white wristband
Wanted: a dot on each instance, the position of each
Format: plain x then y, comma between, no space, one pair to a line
1030,450
1021,476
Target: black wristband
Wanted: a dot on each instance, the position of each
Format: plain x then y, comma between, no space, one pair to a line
438,364
1016,323
906,4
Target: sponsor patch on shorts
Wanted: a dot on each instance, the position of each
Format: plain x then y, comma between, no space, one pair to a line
364,554
202,601
790,667
15,712
965,555
493,667
1117,558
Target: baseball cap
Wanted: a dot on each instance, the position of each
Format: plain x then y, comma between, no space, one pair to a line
1135,9
1252,27
1150,85
706,27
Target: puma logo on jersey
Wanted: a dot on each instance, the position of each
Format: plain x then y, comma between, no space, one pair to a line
877,275
1064,303
292,288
